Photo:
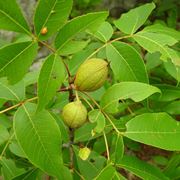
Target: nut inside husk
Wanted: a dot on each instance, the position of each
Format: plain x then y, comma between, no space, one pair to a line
74,114
91,75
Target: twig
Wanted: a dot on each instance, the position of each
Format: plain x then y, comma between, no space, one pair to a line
19,104
47,45
104,45
32,99
54,51
107,148
77,96
82,178
109,119
129,109
89,104
5,147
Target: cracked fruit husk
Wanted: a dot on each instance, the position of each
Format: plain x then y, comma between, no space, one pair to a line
74,114
91,75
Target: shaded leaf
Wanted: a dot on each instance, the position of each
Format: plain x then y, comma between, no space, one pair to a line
173,70
134,90
154,42
152,60
126,63
87,169
4,134
50,79
118,176
173,108
168,93
63,128
5,121
116,148
16,58
84,133
155,129
97,116
29,175
131,21
106,173
9,169
12,18
51,14
141,168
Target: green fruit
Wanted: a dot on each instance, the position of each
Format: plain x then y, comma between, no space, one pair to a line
84,153
91,75
74,114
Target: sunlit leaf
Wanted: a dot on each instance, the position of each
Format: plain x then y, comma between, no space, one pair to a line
159,28
155,129
12,92
134,90
89,21
131,21
41,132
16,59
104,32
126,63
157,42
50,79
11,17
51,14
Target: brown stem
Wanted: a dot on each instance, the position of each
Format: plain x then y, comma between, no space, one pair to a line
104,45
48,177
129,109
19,104
54,51
63,89
32,99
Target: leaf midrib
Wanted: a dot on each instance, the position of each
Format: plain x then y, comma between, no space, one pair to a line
84,27
124,96
52,66
14,21
16,56
161,46
129,67
13,93
39,138
139,170
47,17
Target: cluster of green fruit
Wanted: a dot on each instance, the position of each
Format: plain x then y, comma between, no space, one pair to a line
90,76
